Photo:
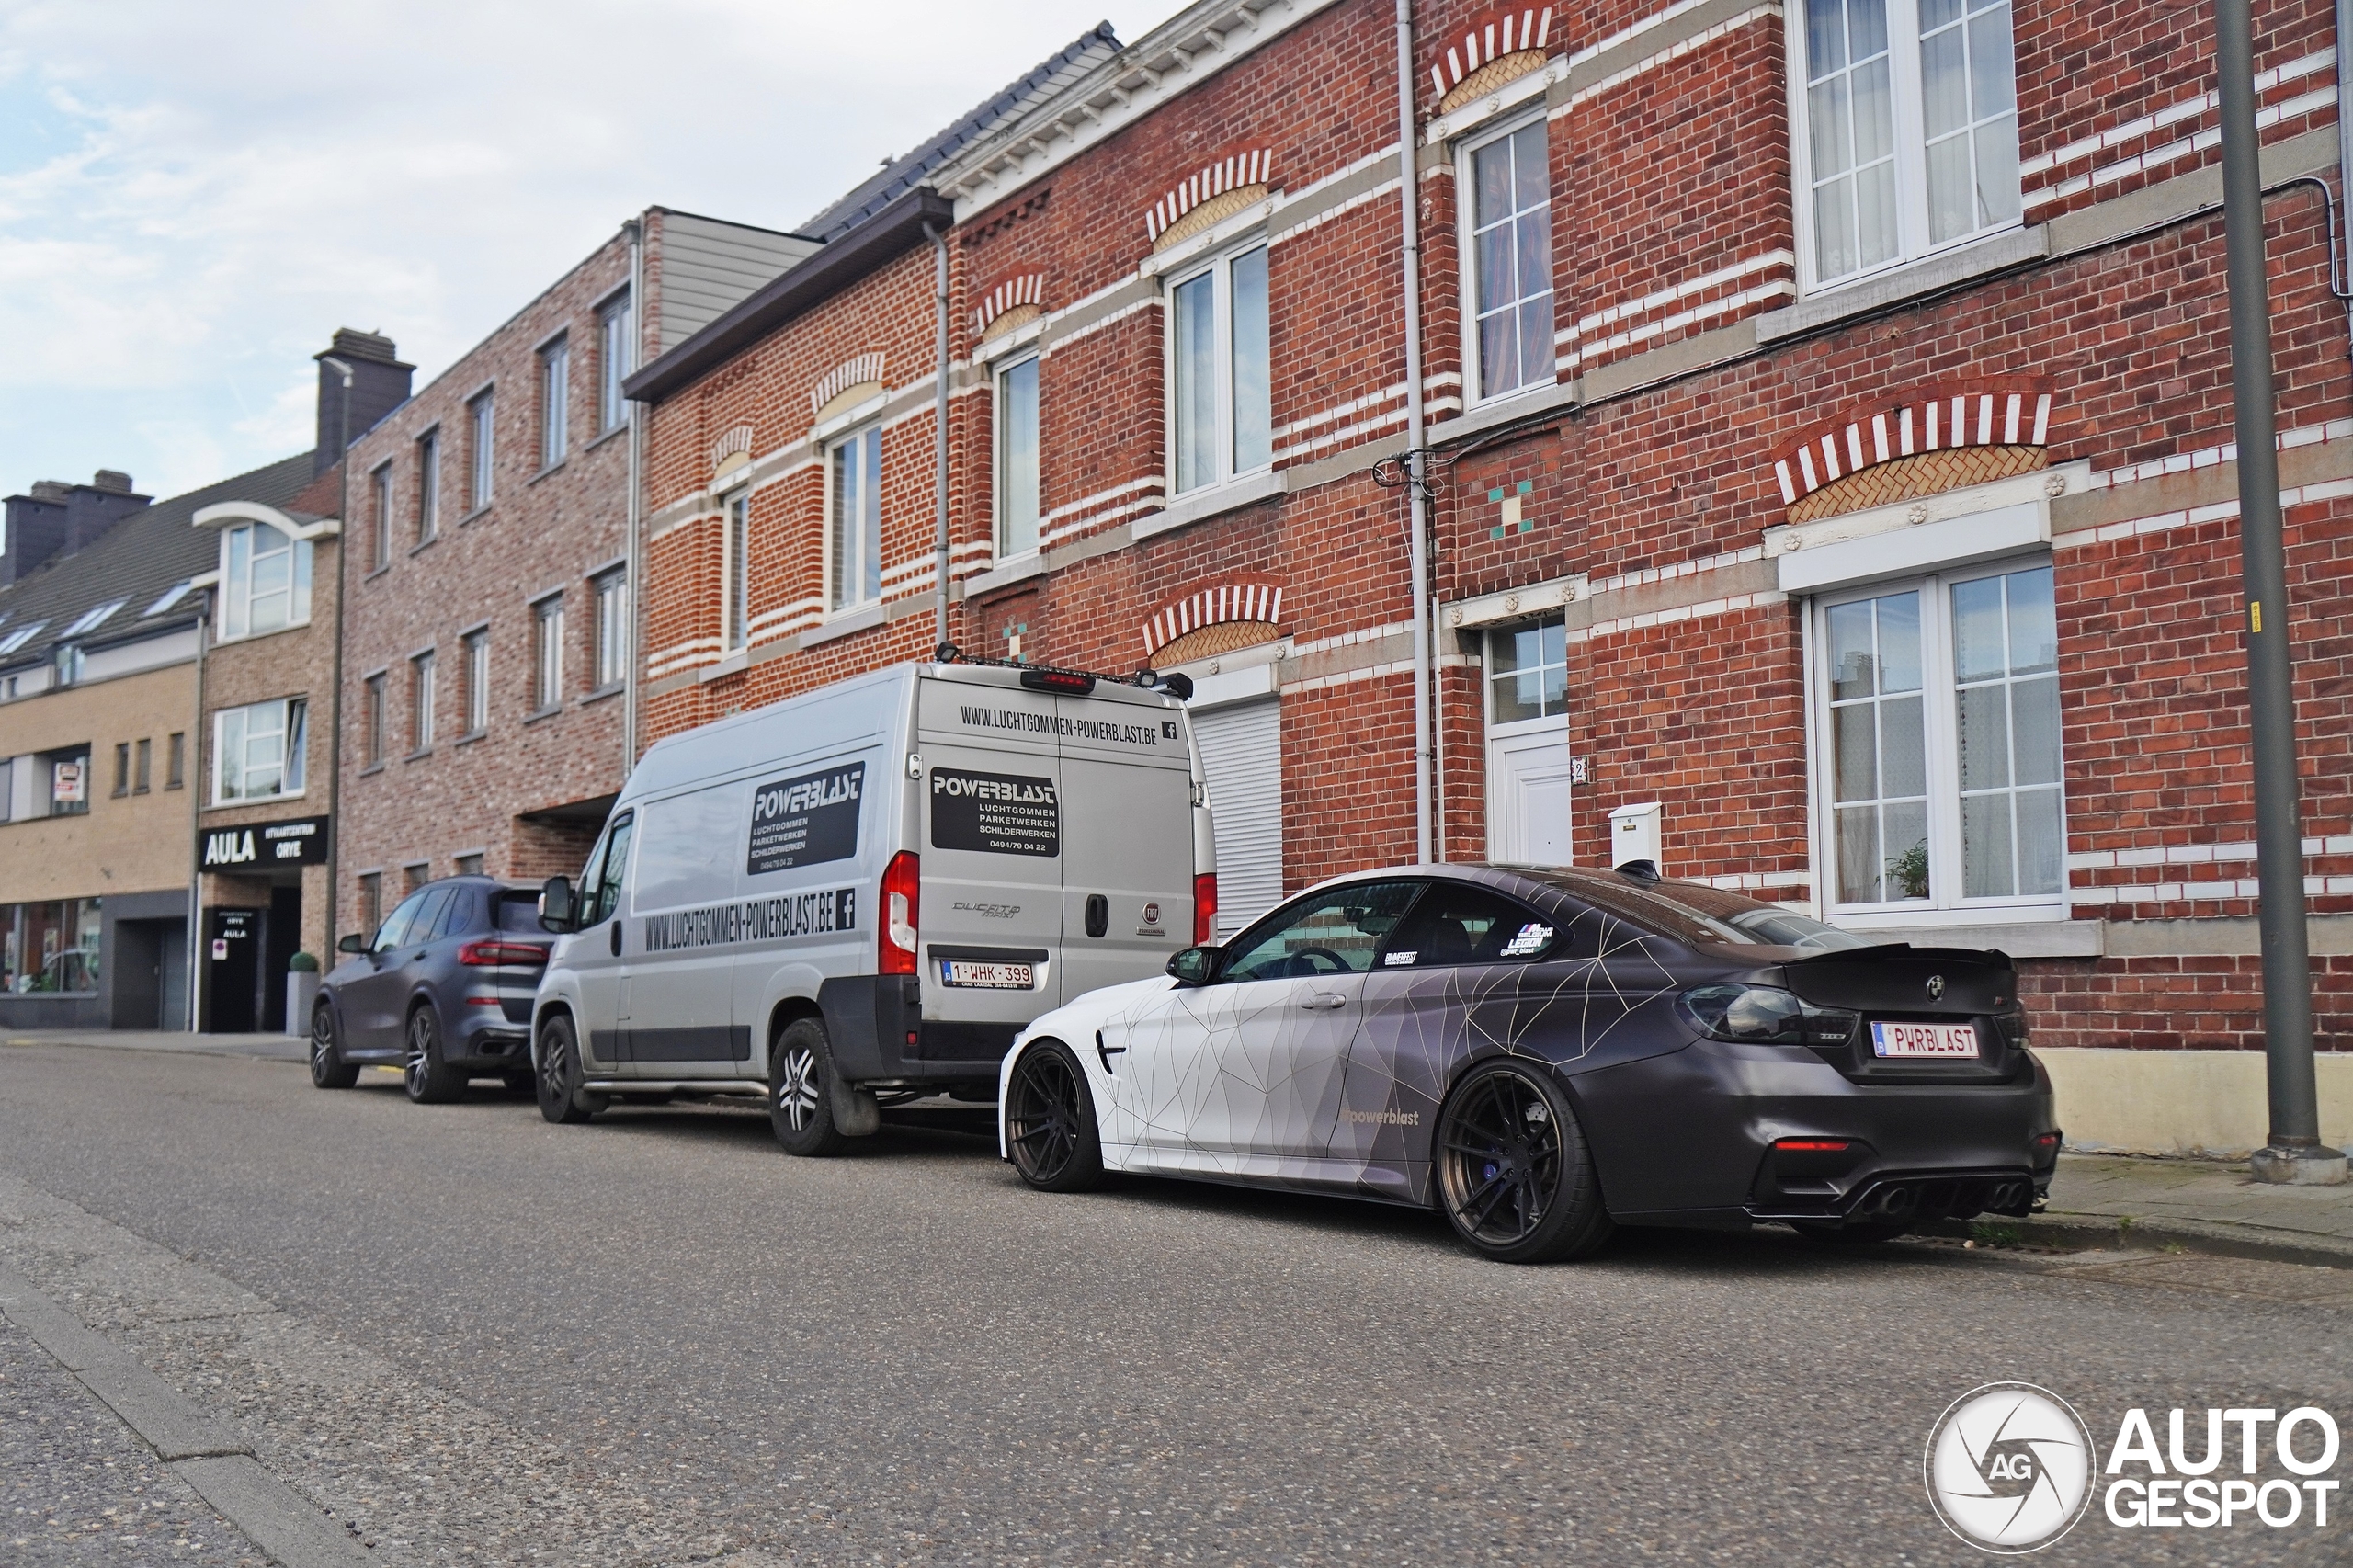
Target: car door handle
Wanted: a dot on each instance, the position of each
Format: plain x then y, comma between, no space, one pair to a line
617,939
1324,1002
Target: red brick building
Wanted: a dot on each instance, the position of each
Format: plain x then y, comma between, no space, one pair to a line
487,623
1830,425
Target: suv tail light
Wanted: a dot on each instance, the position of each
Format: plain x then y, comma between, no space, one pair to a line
902,908
491,953
1204,908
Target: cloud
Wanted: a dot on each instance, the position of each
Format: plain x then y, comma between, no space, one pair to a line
193,197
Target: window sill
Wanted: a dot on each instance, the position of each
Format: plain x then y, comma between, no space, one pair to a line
257,801
470,737
537,714
1004,574
2027,931
602,693
480,511
419,755
1931,274
1525,403
734,664
372,767
1209,501
376,571
620,430
843,623
555,467
428,543
221,642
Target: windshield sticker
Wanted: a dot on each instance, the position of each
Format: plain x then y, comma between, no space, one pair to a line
1531,939
805,821
1406,957
994,814
752,920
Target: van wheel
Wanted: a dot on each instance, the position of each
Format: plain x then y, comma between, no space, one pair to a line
430,1080
560,1073
802,1090
328,1069
1050,1121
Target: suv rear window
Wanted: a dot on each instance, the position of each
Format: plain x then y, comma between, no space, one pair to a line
520,912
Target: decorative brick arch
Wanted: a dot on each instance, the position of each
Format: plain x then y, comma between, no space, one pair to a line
851,373
1939,437
1023,294
736,444
1244,610
1486,56
1235,172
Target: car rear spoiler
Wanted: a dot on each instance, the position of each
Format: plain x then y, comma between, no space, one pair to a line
1070,683
1904,951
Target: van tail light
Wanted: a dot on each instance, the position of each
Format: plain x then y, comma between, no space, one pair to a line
494,953
1204,908
902,907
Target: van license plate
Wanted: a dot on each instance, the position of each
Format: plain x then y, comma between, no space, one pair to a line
987,976
1923,1040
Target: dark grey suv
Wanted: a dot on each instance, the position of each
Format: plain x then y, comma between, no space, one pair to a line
444,988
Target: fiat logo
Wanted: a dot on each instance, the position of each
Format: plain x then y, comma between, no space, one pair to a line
1152,915
1936,986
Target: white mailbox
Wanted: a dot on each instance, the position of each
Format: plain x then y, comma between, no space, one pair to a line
1633,836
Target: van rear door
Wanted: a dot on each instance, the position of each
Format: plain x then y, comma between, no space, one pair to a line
1127,838
990,809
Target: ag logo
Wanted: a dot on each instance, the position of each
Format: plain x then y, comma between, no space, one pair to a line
2009,1467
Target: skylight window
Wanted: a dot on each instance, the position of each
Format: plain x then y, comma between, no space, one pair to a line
22,635
91,619
165,599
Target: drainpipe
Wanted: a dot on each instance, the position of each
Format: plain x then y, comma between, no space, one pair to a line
2345,137
635,229
193,782
1417,460
939,447
334,703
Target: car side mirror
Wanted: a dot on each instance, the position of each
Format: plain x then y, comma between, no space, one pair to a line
555,903
351,942
1195,966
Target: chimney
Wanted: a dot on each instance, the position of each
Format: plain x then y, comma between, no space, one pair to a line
379,384
56,518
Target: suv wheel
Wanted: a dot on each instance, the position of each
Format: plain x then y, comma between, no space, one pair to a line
430,1079
328,1069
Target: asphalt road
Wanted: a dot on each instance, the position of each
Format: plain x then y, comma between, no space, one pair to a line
657,1339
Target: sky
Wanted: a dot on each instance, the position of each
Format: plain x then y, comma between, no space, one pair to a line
194,196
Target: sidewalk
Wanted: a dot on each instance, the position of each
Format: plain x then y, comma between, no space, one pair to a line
274,1047
2205,1206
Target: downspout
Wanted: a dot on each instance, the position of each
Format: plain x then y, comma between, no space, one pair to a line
334,703
633,512
193,782
1417,459
939,447
2345,141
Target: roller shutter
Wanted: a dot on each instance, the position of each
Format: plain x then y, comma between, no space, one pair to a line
1242,754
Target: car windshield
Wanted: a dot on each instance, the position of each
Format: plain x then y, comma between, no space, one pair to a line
1689,911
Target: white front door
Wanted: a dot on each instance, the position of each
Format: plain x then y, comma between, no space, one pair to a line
1527,793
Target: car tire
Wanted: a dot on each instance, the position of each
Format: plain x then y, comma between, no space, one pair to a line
1869,1234
1049,1127
803,1092
427,1076
558,1074
1515,1178
328,1069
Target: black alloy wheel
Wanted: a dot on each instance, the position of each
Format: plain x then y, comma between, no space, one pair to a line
430,1079
559,1073
1515,1179
800,1091
1049,1126
328,1069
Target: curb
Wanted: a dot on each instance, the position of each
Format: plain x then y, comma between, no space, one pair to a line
2109,1230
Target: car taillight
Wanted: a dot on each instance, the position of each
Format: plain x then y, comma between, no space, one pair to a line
1765,1014
493,953
1204,908
901,909
1812,1146
1071,683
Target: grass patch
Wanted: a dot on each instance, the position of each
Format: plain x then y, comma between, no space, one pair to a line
1986,1233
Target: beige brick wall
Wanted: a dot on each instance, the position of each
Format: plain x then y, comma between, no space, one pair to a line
133,843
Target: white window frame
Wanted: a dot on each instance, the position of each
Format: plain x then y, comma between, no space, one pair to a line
477,650
616,356
421,681
1001,409
1219,265
555,401
1466,223
546,652
233,734
242,544
837,555
1912,242
734,566
481,423
1941,735
610,590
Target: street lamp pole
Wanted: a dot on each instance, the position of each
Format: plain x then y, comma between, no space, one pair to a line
2293,1152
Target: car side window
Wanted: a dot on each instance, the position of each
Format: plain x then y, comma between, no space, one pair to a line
457,915
1457,924
427,922
1336,931
600,903
394,930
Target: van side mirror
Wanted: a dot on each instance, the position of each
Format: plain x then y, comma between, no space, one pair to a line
1195,966
555,903
351,942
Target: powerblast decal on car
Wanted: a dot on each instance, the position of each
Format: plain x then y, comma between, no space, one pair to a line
752,920
805,821
994,814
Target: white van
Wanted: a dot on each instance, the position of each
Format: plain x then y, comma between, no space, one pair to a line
856,897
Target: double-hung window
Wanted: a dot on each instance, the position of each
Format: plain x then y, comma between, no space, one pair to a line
614,350
1936,706
546,652
481,431
856,504
1016,458
1508,338
265,581
428,485
258,750
1219,378
611,629
735,574
555,393
1908,136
